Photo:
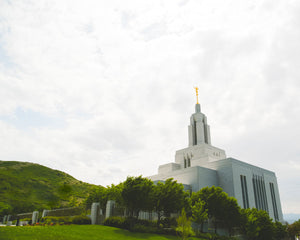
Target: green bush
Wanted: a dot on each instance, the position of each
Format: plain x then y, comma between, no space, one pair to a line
57,220
225,238
118,222
143,229
66,220
25,219
206,235
213,236
81,220
127,223
169,231
137,225
143,222
169,222
152,229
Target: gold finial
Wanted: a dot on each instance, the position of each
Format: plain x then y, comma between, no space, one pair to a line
196,88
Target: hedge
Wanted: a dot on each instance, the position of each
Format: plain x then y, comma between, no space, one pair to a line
66,220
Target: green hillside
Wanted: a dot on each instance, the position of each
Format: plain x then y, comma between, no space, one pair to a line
26,187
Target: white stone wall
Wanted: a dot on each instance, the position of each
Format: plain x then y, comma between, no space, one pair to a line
224,173
199,154
272,179
169,167
229,172
197,177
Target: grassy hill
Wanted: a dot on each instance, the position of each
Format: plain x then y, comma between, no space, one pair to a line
27,187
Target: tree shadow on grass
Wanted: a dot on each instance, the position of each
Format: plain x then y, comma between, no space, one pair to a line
137,235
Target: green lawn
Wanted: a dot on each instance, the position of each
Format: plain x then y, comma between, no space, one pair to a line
75,232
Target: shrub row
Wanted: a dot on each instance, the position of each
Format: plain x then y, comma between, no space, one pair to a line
25,219
168,222
66,220
81,220
121,222
166,226
144,226
213,236
150,229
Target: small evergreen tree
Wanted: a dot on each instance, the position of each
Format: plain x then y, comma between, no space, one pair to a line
199,213
184,228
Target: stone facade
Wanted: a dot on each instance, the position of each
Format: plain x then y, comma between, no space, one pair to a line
202,164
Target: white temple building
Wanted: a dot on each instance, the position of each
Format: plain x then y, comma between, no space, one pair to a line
201,165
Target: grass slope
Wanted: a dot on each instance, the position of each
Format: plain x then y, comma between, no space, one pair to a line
28,186
76,232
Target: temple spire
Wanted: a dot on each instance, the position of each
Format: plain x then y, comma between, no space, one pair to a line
199,131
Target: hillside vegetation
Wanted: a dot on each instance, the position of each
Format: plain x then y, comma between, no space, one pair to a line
27,187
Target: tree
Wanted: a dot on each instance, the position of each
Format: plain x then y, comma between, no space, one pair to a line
231,216
97,194
168,197
73,202
294,229
114,192
184,225
280,231
65,191
102,195
257,224
22,206
136,194
52,201
199,213
221,208
5,208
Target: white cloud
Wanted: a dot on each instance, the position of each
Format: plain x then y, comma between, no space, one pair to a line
119,75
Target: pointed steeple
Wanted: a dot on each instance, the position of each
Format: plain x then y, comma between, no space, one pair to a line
197,108
199,131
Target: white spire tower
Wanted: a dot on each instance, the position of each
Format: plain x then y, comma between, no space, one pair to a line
202,165
199,131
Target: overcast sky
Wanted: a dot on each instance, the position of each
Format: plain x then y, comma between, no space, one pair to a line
104,89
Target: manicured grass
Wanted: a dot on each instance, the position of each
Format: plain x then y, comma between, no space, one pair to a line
75,232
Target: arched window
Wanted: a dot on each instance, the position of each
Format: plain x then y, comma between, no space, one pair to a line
189,162
184,163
